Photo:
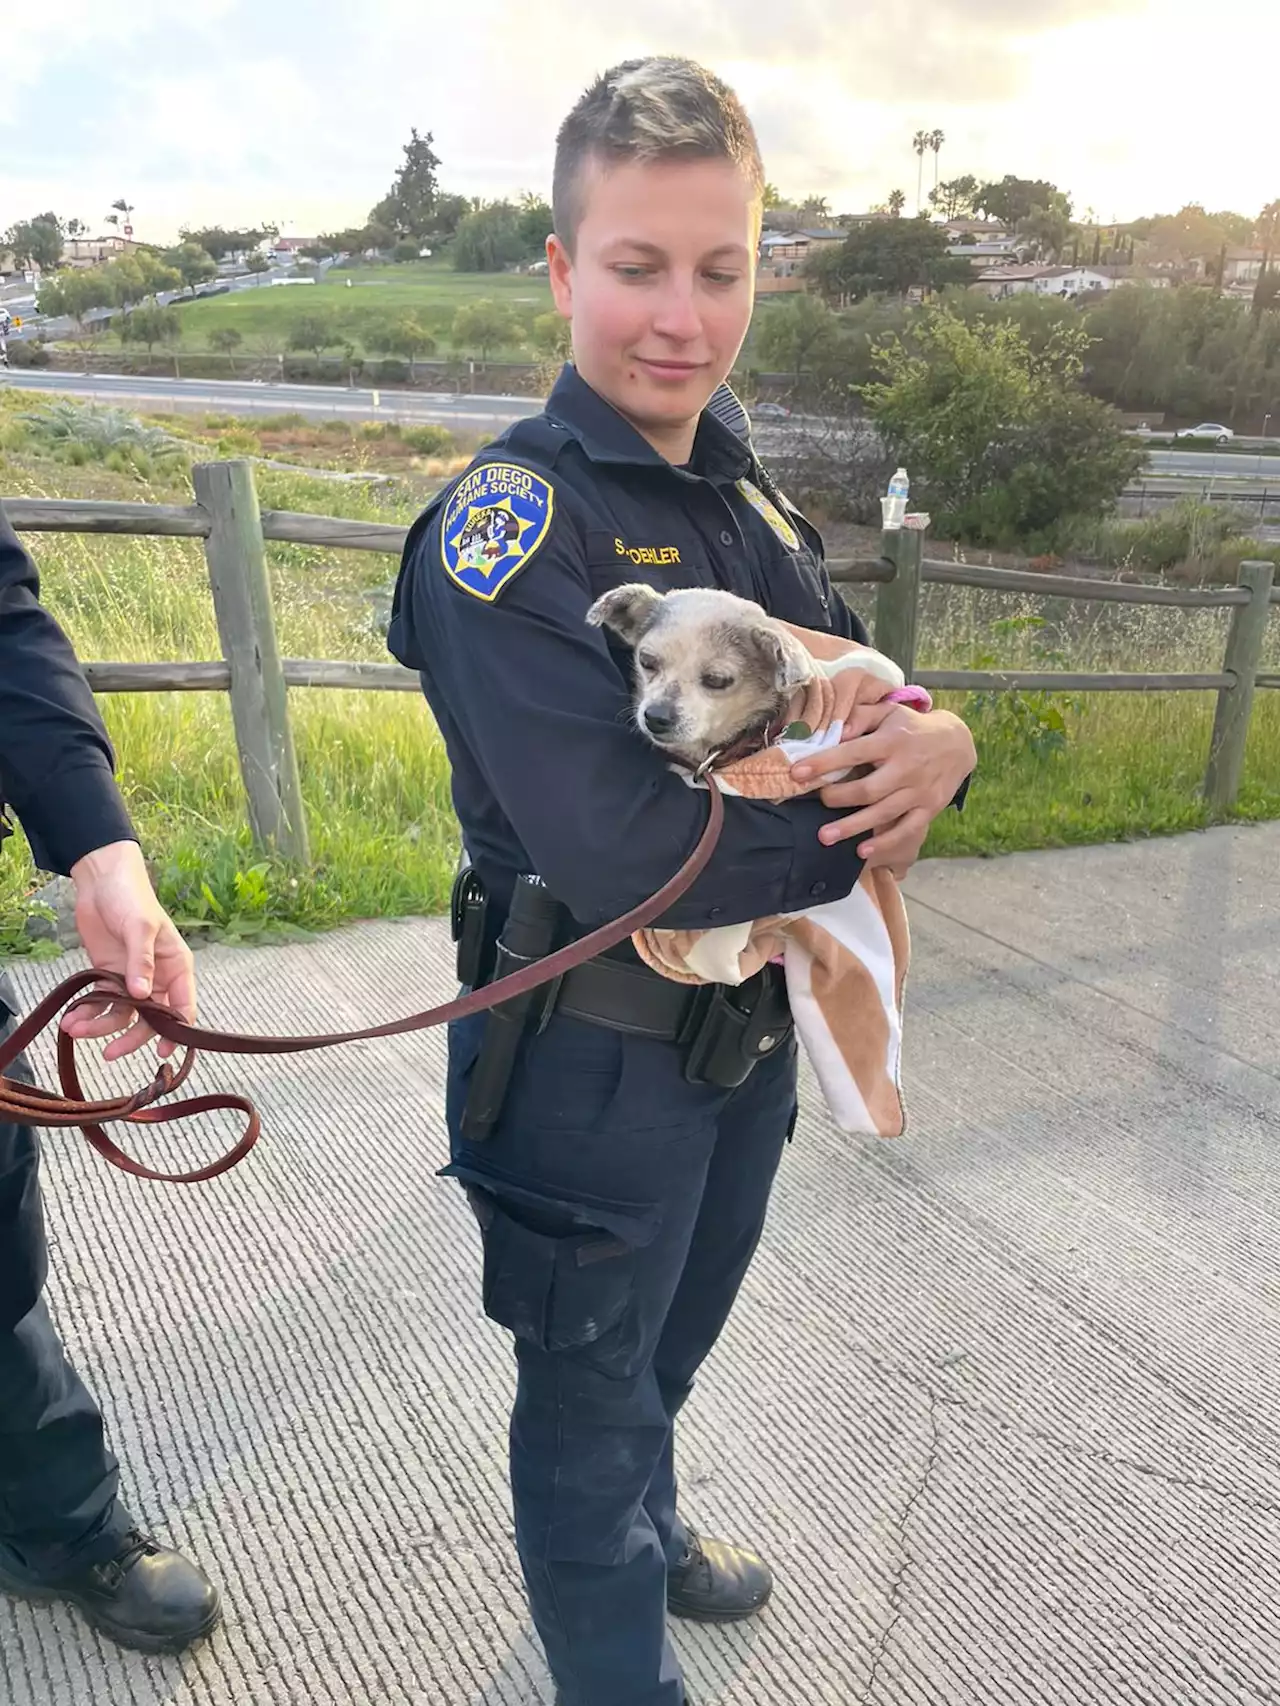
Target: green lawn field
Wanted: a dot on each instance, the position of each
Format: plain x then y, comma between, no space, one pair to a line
363,296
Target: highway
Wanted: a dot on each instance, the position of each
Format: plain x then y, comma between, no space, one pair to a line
258,397
479,413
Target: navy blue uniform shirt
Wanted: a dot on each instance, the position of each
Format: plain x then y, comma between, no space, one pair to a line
549,775
56,761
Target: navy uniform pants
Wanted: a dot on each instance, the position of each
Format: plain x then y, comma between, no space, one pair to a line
58,1506
619,1210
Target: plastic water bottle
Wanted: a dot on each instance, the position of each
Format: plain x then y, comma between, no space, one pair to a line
895,505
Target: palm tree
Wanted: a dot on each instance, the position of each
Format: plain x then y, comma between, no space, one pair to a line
125,207
897,201
936,139
920,141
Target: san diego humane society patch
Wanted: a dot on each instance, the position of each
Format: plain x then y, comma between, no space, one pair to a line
495,521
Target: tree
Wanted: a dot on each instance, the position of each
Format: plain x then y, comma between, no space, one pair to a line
920,141
1048,228
36,242
409,207
1266,230
1012,199
896,202
772,197
483,325
219,242
75,293
226,340
535,223
954,198
451,210
551,336
936,139
488,240
193,265
151,325
1002,441
77,228
405,250
258,264
404,336
798,337
890,256
124,209
815,207
317,332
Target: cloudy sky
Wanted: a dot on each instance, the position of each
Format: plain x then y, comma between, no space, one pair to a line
294,111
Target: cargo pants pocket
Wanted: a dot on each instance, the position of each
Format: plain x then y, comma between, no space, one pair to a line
560,1275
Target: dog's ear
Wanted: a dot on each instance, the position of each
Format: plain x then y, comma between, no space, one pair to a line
792,664
628,610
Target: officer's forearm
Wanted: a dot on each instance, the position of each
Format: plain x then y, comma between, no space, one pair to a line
768,860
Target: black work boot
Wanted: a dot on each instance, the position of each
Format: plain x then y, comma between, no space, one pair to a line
717,1583
144,1597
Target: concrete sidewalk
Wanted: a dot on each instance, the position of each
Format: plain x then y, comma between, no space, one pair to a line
1001,1402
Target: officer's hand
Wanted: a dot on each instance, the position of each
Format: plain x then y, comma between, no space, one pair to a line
855,687
918,759
125,929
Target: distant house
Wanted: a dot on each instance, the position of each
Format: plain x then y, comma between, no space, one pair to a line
783,254
982,251
289,248
1241,270
984,230
1002,282
93,251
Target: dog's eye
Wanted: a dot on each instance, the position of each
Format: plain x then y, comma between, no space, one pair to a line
716,683
646,662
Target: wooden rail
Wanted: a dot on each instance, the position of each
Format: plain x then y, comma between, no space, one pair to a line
228,520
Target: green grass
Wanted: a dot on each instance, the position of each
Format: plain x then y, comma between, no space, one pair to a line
263,315
373,769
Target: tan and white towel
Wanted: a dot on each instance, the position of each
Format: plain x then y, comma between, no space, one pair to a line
845,962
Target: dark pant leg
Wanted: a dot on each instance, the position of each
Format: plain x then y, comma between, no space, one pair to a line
587,1195
58,1508
752,1130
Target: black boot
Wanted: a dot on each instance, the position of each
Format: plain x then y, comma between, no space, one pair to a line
717,1583
144,1597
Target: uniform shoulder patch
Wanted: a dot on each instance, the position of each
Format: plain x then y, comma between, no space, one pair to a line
770,513
495,521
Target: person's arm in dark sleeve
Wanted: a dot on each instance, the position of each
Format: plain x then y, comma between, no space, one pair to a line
56,760
546,711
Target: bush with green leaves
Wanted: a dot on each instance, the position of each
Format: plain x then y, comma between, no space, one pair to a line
81,433
1000,441
1010,723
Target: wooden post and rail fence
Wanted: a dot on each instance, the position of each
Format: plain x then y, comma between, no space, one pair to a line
227,517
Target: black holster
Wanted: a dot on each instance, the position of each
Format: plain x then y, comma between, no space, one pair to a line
734,1027
534,925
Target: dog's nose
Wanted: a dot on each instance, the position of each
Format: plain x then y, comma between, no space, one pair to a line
658,721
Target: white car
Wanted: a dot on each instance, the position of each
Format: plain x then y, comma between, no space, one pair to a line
771,412
1207,429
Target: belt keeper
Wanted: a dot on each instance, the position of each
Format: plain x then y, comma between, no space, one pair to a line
547,1003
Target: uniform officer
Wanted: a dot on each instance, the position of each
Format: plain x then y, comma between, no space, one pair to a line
64,1532
619,1153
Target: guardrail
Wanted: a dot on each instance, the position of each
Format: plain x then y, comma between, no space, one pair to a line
227,517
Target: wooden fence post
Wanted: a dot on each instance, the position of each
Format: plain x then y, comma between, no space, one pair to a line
898,601
1245,642
259,704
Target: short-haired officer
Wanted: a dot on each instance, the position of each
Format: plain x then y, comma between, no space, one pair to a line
618,1138
64,1532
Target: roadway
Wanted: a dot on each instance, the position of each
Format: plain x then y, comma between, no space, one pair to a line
480,412
260,397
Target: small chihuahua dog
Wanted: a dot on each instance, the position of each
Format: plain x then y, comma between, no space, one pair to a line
713,672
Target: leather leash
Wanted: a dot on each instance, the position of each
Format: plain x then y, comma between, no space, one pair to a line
23,1104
